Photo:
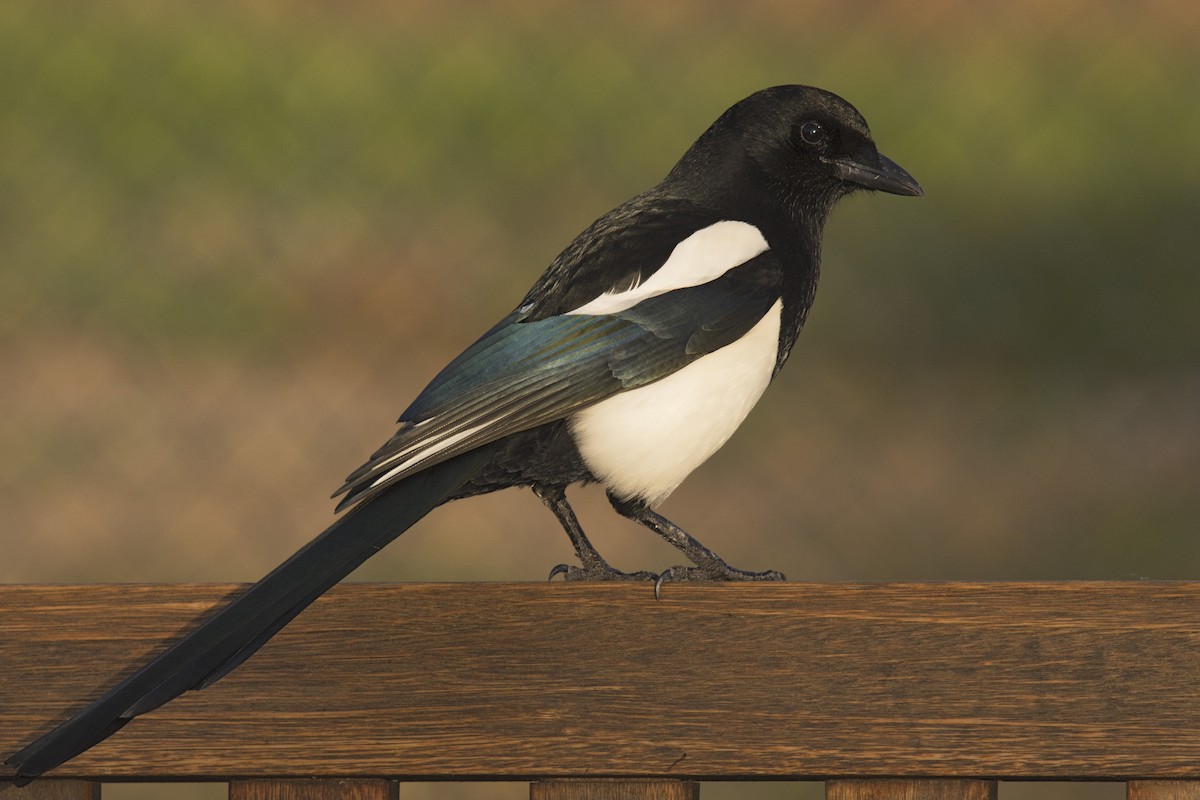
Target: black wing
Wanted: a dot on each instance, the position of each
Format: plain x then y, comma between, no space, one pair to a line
523,374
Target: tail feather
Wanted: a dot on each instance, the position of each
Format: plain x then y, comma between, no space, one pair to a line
233,634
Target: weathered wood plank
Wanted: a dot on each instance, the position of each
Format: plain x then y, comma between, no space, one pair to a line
897,789
614,789
1163,790
329,789
51,790
524,681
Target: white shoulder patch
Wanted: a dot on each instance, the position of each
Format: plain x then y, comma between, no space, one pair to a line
704,256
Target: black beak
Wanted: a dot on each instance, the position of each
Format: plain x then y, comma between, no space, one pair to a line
881,174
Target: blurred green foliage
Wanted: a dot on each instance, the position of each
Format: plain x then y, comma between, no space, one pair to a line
212,173
237,237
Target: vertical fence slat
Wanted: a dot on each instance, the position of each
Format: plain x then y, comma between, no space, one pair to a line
895,789
314,790
51,790
1162,790
613,789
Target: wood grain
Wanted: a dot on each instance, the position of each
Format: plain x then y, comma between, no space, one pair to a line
331,789
794,681
910,790
51,790
1163,790
614,789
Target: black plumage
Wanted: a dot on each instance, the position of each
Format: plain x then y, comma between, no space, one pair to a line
628,362
526,373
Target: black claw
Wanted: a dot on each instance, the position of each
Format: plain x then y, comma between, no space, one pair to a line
675,574
722,573
600,571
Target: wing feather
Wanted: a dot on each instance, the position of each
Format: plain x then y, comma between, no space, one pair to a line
523,374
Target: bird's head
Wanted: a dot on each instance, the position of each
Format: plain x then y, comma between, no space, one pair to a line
803,147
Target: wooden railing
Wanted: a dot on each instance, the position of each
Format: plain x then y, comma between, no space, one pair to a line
591,691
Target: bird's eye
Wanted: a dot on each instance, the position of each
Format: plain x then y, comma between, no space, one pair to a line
813,133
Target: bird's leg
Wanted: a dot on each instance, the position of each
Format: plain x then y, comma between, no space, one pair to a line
709,566
594,568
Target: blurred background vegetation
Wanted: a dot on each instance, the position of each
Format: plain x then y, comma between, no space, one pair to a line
237,238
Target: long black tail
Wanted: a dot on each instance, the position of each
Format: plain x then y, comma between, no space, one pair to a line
235,632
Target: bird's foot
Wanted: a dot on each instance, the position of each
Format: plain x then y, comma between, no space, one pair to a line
718,571
599,571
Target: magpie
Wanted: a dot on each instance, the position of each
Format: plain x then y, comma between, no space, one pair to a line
632,359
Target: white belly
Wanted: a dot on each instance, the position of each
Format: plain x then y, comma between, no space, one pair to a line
644,442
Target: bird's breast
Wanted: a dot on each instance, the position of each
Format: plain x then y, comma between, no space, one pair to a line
642,443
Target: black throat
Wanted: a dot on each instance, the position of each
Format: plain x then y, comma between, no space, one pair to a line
798,248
